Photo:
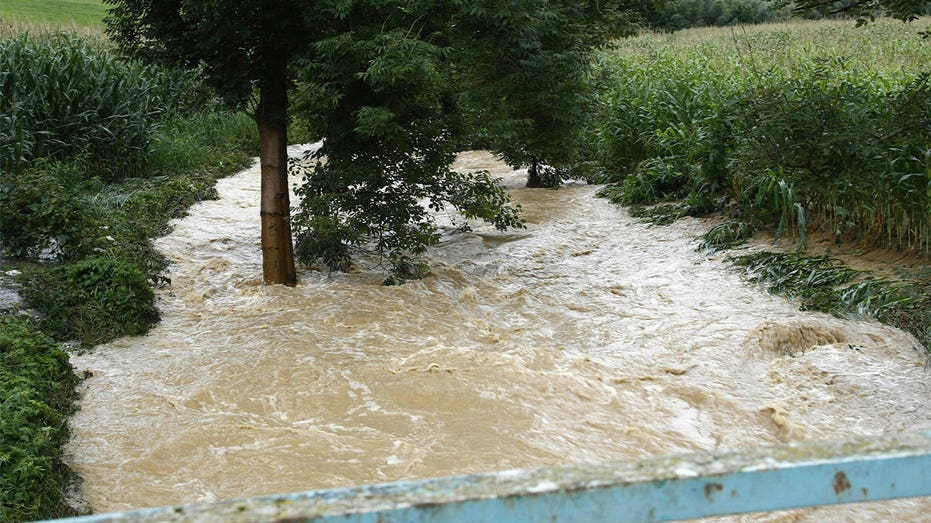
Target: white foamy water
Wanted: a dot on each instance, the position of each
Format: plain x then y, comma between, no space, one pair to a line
585,337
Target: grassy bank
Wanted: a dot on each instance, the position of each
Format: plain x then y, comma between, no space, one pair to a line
824,283
800,128
36,394
86,182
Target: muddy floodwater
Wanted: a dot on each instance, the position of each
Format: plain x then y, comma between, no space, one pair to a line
585,337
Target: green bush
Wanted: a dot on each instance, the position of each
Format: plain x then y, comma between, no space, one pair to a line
42,212
36,394
91,301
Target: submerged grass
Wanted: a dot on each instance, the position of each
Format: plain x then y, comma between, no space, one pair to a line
726,235
826,284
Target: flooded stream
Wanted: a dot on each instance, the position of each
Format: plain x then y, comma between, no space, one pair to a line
585,337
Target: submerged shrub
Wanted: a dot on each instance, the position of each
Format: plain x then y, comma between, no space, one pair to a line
36,394
92,301
365,203
663,214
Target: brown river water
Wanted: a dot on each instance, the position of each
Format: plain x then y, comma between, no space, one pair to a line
585,337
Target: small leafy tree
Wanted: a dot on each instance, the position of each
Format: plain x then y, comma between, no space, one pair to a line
397,87
527,76
381,88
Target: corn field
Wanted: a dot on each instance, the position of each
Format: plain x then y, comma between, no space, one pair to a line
796,127
66,97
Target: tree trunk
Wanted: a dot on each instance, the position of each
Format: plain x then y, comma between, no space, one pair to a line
272,119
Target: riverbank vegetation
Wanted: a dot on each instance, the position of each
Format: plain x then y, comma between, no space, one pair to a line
823,283
97,154
793,128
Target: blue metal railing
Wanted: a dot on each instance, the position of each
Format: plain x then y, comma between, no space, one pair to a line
653,489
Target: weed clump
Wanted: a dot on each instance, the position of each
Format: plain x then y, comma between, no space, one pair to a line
43,213
810,279
92,301
726,235
37,390
662,214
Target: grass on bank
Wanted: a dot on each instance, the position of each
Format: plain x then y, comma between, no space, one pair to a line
793,128
823,283
818,124
79,217
95,299
36,398
62,14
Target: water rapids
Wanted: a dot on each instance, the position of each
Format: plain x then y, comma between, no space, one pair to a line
585,337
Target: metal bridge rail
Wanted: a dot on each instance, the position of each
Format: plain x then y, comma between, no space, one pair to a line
652,489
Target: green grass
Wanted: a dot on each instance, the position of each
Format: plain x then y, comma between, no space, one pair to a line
55,13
